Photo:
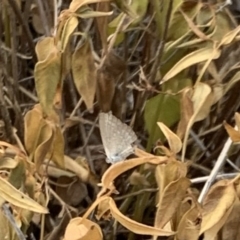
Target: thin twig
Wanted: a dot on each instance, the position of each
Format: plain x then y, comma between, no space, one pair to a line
219,163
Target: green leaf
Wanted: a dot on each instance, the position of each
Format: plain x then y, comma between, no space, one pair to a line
161,108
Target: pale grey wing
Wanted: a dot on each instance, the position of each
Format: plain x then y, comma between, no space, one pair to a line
105,133
122,137
117,137
124,133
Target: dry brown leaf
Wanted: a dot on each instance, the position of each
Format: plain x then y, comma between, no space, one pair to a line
102,23
170,172
166,207
190,223
217,206
82,229
172,185
186,112
112,69
84,73
174,141
105,90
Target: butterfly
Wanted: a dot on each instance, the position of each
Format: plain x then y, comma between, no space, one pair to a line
117,138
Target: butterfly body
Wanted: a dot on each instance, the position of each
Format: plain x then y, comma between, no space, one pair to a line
117,138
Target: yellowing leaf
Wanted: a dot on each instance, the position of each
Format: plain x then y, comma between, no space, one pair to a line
19,199
192,58
84,73
199,98
68,29
45,141
57,154
33,122
44,47
47,74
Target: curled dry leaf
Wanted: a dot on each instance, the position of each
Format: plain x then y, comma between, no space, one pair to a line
84,73
43,137
82,229
134,226
174,141
117,169
217,206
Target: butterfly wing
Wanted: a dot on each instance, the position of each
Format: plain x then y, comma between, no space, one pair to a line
117,137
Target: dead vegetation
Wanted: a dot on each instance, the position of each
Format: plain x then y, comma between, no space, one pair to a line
167,68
